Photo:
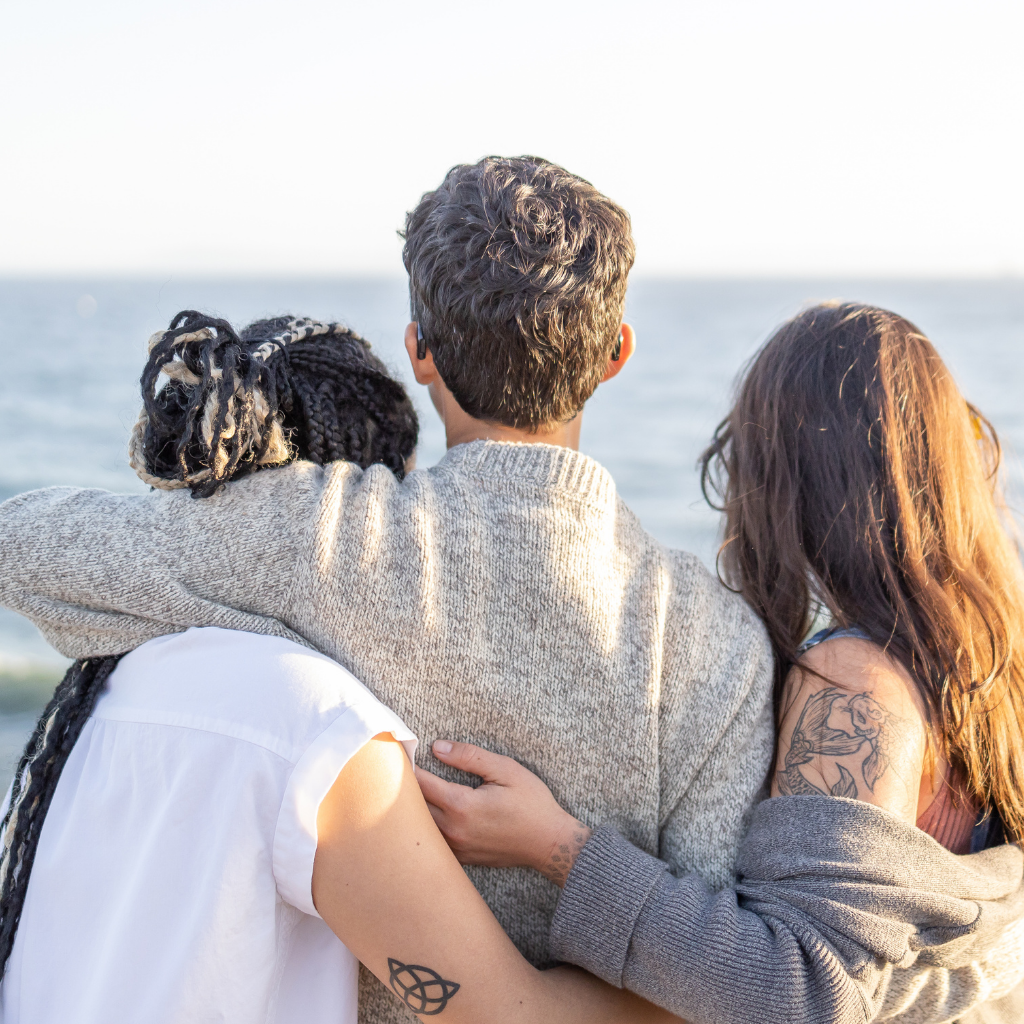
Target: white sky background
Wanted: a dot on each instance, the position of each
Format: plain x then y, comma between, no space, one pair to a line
775,137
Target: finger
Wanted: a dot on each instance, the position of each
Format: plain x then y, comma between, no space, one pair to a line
444,827
438,792
475,760
439,818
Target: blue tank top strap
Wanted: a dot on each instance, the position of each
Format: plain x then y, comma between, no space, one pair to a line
988,831
832,633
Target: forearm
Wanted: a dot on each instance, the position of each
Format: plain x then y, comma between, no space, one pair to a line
569,996
625,918
100,573
835,895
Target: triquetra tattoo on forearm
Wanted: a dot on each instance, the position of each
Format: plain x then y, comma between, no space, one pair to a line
421,988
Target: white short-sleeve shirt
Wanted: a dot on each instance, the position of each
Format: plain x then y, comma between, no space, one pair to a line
172,882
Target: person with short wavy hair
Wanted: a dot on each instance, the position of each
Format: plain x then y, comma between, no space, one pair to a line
517,280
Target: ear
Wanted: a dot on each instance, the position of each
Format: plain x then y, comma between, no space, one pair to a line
422,369
626,350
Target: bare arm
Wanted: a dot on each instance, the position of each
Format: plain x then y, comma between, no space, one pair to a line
856,729
385,881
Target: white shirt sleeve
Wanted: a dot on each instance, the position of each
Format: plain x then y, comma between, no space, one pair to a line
310,781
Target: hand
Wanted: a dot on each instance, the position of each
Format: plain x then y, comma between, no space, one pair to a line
511,820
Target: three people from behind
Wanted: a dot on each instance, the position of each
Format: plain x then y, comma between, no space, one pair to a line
507,589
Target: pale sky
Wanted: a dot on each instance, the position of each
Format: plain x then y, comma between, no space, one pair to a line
772,137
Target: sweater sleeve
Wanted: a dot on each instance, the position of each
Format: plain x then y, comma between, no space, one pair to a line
843,914
697,953
101,573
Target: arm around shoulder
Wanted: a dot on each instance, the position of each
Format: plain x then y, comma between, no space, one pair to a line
816,929
100,573
696,952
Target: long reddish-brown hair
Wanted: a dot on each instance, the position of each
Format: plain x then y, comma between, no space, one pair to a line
856,480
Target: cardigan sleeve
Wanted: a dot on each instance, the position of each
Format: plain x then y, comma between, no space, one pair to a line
697,953
843,914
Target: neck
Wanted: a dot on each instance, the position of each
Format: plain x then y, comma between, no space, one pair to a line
461,428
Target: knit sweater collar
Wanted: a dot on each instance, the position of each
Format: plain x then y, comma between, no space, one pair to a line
544,465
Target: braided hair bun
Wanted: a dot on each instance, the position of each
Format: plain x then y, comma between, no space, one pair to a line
282,389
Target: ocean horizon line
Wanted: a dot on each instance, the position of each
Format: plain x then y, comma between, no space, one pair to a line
637,277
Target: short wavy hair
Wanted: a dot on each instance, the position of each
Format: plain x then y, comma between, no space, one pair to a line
517,278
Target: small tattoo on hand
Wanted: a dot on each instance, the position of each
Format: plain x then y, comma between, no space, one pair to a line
423,990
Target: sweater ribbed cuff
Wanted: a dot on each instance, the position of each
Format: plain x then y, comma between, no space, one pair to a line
599,906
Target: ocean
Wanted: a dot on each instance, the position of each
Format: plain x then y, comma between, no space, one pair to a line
73,350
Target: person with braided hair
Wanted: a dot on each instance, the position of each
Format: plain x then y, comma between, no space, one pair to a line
234,403
231,404
216,802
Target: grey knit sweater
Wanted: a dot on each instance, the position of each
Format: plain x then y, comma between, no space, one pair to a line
843,913
506,597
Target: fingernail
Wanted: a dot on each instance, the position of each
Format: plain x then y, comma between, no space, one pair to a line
442,747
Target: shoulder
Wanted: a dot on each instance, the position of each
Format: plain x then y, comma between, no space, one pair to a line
707,602
713,625
857,665
852,724
267,689
256,662
286,486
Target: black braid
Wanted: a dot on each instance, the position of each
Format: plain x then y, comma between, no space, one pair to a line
376,421
35,781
